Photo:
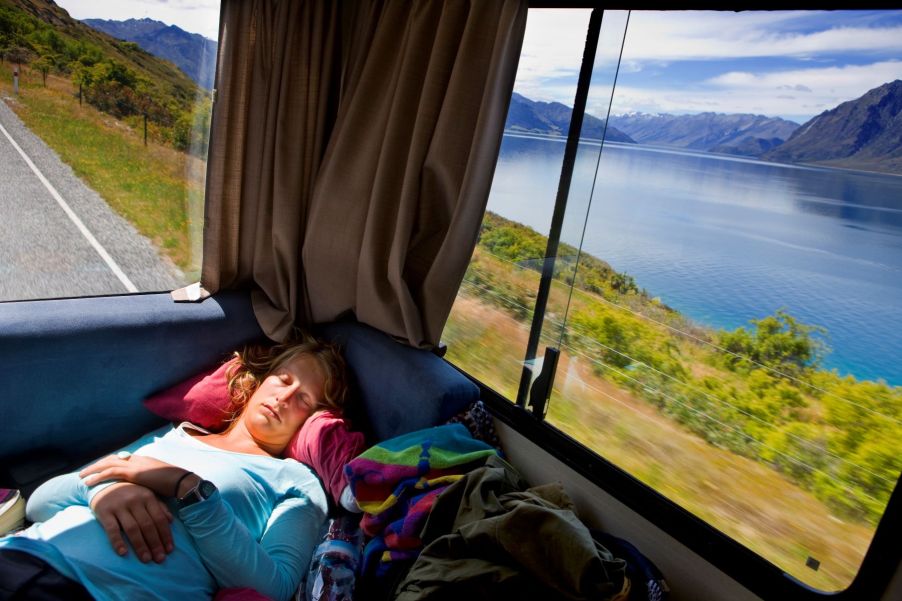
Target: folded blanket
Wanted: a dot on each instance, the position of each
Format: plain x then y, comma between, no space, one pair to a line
397,481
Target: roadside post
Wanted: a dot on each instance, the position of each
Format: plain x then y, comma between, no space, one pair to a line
15,81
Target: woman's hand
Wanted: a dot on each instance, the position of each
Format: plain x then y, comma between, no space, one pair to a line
137,511
158,476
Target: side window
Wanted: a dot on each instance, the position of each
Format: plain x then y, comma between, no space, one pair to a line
490,322
104,124
726,291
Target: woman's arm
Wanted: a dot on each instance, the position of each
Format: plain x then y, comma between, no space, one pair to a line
63,491
54,495
272,566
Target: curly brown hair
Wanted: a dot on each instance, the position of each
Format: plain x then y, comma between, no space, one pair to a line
255,363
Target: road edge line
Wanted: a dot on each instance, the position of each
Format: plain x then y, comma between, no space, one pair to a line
114,267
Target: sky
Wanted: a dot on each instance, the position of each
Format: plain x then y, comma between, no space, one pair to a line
790,64
195,16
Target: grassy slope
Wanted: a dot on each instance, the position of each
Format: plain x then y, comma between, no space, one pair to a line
747,500
165,79
155,187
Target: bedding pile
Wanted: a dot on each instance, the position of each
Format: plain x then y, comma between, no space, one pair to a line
450,519
397,481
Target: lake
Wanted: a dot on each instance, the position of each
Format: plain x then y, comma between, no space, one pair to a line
727,239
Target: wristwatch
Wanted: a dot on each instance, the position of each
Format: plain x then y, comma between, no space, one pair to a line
202,491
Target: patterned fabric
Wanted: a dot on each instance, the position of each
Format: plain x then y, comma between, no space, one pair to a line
479,422
396,483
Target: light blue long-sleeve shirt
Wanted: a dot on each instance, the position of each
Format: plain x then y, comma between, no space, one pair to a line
258,530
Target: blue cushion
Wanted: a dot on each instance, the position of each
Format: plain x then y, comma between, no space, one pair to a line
76,370
401,388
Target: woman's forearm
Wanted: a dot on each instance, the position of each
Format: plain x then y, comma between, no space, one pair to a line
163,478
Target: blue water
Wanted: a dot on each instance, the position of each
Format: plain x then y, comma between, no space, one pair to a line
725,240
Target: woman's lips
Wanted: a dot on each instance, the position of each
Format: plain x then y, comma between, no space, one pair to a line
272,411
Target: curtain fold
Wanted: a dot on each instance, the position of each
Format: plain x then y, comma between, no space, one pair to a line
374,209
277,92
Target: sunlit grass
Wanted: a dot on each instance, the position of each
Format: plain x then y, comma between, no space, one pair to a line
150,186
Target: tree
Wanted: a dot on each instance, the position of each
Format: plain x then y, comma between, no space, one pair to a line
43,64
778,341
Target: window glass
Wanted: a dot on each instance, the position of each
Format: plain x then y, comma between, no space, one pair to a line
730,335
105,118
489,324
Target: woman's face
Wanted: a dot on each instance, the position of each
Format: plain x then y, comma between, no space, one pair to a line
283,402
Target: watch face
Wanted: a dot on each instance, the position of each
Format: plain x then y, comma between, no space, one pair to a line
206,488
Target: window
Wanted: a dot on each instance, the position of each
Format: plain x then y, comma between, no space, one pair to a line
726,289
105,119
504,273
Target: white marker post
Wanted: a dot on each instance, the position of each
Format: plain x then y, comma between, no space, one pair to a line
16,82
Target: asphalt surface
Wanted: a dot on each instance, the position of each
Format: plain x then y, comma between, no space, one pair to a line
43,253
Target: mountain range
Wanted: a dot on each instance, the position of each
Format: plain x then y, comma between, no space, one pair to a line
553,119
865,133
738,133
194,54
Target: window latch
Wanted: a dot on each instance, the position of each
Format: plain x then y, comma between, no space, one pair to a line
540,391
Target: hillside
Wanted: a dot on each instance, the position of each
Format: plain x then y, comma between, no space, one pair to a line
865,133
117,77
740,133
42,29
194,54
553,118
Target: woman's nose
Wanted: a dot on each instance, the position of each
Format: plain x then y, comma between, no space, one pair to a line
288,391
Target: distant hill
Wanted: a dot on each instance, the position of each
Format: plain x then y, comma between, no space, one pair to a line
553,118
194,54
865,133
739,133
32,21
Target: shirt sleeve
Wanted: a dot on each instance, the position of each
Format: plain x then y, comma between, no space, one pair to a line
60,492
54,495
274,565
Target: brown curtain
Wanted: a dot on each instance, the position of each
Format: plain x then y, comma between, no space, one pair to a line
382,222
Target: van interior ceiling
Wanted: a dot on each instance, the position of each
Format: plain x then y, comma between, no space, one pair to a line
654,244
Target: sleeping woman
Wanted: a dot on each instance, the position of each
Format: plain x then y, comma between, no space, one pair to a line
201,511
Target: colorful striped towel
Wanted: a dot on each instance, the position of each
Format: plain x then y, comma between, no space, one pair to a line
397,481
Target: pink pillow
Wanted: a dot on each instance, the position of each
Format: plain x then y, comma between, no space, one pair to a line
202,399
326,444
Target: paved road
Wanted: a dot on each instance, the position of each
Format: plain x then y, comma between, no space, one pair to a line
43,251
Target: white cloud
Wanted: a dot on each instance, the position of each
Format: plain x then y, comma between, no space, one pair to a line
655,35
815,90
552,50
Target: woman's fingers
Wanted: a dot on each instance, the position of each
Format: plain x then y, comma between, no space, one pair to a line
136,511
101,476
134,532
113,530
99,465
161,518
